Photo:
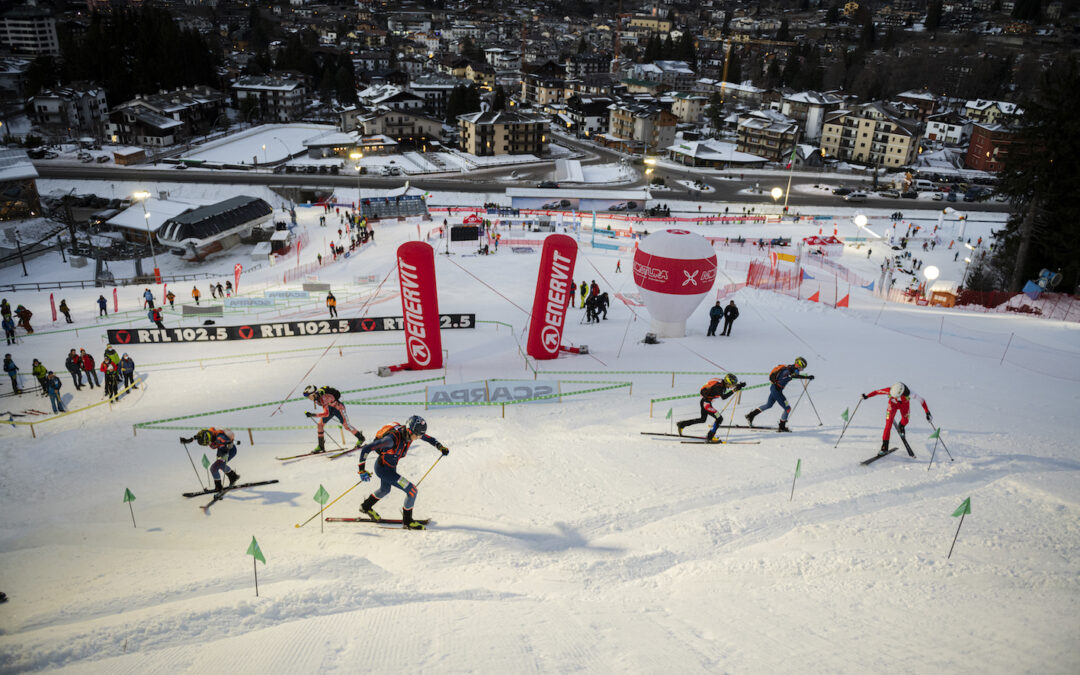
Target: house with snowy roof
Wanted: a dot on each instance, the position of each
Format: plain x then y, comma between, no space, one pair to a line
991,112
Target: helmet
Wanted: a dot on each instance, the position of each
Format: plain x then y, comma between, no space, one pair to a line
731,380
800,362
416,424
899,390
203,437
309,391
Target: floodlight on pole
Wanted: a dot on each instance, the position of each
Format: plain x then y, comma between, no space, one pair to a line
931,273
142,196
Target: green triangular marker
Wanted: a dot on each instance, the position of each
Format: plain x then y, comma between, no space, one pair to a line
253,550
668,416
937,433
322,495
844,415
205,462
128,497
964,508
798,468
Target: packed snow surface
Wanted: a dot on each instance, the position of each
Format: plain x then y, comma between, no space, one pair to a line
563,540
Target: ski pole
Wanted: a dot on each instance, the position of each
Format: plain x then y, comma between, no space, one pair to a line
946,449
322,509
428,471
812,406
848,422
738,397
183,443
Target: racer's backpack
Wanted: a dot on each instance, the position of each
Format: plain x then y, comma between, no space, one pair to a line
333,392
709,387
776,372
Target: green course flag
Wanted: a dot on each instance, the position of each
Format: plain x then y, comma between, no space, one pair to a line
844,415
668,416
937,433
963,509
205,462
798,468
322,495
254,550
128,498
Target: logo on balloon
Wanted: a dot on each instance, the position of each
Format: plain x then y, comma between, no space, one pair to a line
690,278
550,337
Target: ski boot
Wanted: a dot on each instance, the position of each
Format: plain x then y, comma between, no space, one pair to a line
884,448
320,447
679,426
408,523
359,439
367,508
217,486
233,477
783,426
751,415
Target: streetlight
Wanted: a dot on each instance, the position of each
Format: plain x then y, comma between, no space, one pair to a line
264,153
356,156
776,193
142,196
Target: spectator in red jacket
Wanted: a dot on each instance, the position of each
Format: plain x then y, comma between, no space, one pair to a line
88,367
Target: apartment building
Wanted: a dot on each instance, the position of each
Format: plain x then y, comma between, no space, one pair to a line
544,84
646,124
991,112
29,30
809,108
503,133
71,111
870,134
280,99
989,146
767,133
165,118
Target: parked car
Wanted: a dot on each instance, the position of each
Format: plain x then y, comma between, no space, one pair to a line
938,196
842,191
180,166
86,158
49,154
547,184
101,159
951,197
910,194
856,197
557,204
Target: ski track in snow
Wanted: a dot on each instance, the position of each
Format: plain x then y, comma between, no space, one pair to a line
562,540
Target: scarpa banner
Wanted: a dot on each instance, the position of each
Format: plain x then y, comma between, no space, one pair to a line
249,302
493,391
285,294
420,305
553,294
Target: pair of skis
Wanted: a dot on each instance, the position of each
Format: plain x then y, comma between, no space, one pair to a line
218,494
698,440
384,522
332,454
903,439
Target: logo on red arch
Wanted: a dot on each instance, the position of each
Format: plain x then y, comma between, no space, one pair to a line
245,332
123,337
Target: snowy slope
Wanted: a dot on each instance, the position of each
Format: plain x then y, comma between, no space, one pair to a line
564,540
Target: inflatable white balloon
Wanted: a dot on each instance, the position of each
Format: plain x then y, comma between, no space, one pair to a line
675,270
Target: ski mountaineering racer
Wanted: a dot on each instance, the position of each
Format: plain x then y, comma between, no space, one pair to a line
222,441
900,397
779,377
330,399
391,444
710,391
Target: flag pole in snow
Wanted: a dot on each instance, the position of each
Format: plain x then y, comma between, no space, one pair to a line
847,419
937,438
206,465
128,498
798,472
670,422
330,504
256,554
963,510
321,496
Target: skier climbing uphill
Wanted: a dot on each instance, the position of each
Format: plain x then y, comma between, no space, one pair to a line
221,440
710,391
329,399
779,377
391,444
900,397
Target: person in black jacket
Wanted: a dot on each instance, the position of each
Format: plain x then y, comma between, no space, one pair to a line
714,318
74,366
731,312
602,302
